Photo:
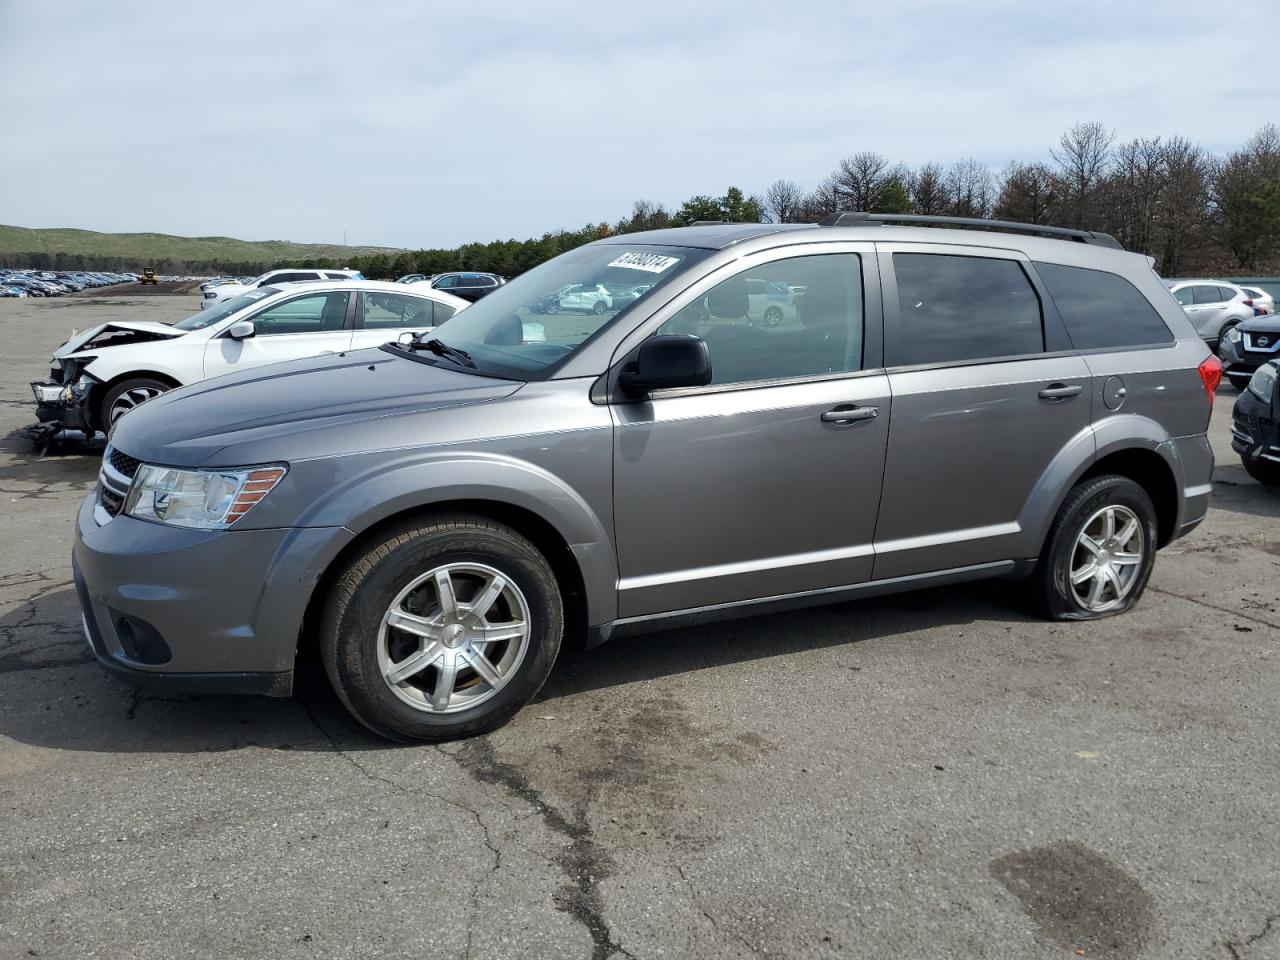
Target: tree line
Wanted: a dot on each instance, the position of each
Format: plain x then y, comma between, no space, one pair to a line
1193,212
1169,198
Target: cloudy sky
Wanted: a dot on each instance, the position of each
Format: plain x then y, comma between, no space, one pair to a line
428,124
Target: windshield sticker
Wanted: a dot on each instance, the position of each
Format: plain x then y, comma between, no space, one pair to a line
648,262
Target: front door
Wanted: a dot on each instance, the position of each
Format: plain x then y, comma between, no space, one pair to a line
985,395
765,483
303,326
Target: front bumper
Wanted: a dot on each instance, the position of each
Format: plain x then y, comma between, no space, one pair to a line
1255,432
1238,361
61,403
198,610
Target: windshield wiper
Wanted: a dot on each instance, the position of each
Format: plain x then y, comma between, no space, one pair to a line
442,349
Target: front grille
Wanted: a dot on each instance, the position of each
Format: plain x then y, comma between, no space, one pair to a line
114,480
122,463
1261,342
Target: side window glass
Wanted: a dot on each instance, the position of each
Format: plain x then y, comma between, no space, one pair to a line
318,313
810,324
956,308
337,276
444,283
1184,296
443,312
1207,294
1102,309
389,310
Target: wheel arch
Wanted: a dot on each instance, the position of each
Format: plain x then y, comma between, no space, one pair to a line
101,389
544,535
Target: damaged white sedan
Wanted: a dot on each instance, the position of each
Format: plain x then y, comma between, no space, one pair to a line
101,374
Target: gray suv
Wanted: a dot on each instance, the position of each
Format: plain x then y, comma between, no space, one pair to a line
437,517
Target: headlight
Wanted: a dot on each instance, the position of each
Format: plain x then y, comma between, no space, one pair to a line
1234,335
1263,382
204,499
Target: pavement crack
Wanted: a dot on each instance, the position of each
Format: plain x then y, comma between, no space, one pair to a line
1235,947
1214,606
417,794
585,863
715,924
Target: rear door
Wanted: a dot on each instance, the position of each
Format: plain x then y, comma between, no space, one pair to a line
303,326
986,392
766,482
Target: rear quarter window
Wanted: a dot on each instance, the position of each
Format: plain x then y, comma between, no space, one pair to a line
1102,310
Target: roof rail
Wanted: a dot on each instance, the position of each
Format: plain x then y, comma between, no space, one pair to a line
846,219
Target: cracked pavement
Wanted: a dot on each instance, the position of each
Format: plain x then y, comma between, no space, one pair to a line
930,775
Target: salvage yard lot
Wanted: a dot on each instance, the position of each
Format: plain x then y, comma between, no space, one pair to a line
929,775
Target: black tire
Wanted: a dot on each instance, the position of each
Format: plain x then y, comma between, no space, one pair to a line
366,587
126,388
1222,333
1051,593
1239,382
599,307
772,317
1264,471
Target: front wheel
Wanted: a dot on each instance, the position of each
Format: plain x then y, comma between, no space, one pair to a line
443,628
1099,553
1264,471
599,307
1239,382
126,395
773,316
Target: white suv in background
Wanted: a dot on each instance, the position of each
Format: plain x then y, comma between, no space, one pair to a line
1213,307
225,291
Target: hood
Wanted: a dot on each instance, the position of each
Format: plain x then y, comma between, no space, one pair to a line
118,333
1269,322
369,399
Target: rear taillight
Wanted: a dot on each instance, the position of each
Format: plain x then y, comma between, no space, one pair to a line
1211,374
1248,303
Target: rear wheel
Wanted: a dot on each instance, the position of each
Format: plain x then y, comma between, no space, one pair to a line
1099,553
1264,471
773,316
444,628
126,395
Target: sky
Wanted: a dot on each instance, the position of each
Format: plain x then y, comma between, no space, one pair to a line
426,124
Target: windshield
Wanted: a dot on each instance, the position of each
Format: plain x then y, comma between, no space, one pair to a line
208,317
526,328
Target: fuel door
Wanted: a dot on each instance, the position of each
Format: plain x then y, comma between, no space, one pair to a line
1113,393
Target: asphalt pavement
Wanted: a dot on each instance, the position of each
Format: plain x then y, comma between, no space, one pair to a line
929,775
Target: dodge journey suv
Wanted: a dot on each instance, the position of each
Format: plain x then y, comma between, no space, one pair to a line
434,518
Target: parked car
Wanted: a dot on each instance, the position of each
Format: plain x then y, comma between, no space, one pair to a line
103,373
1261,301
593,298
1212,306
469,286
8,291
413,278
225,291
1247,346
1255,425
437,515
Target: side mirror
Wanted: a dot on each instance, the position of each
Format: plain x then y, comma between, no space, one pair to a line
240,330
666,362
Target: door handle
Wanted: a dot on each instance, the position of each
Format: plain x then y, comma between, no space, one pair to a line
1060,391
849,413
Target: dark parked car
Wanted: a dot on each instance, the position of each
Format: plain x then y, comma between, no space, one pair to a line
1255,425
468,286
1247,346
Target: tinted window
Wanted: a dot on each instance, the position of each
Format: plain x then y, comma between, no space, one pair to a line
317,313
1184,296
1207,294
387,310
443,312
291,277
337,276
1101,309
816,333
445,283
953,308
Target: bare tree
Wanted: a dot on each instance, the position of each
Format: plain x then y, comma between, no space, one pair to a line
1082,161
1183,218
969,189
928,191
1133,192
645,215
825,199
1028,194
859,178
782,201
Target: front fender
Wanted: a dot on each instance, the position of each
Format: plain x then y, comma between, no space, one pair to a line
423,479
1107,436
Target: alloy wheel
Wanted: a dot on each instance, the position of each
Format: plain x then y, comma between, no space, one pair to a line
1107,559
453,637
130,399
